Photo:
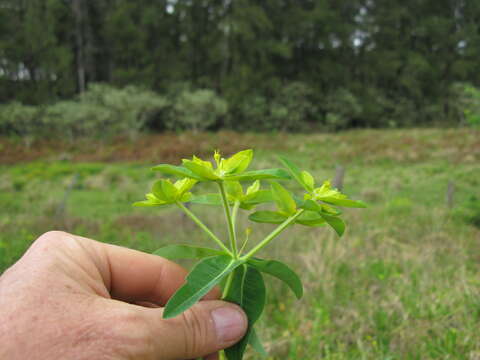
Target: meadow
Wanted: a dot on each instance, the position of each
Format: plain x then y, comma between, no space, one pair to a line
402,283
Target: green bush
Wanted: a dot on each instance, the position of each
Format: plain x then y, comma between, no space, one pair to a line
470,102
21,120
75,119
130,108
196,110
341,108
292,107
289,109
101,111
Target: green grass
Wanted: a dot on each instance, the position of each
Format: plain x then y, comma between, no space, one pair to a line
403,282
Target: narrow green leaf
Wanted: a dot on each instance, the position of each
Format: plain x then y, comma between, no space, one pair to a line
238,162
259,197
234,189
176,170
204,172
184,185
148,203
207,199
251,297
335,222
316,207
174,252
310,218
310,205
345,202
295,172
265,216
255,187
283,199
281,271
308,180
164,190
278,174
256,343
203,277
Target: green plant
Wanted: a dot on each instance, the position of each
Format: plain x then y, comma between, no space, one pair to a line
21,120
470,101
239,266
196,110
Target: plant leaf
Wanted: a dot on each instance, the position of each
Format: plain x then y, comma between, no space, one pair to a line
203,277
266,216
295,172
238,162
252,189
164,190
234,189
205,172
310,218
174,252
308,180
283,199
184,185
278,174
207,199
176,170
248,291
256,343
259,197
281,271
345,202
148,203
335,222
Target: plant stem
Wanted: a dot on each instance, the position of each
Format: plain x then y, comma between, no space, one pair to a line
234,214
272,235
228,216
228,285
203,226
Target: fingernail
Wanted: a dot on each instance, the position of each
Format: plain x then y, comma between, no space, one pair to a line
230,324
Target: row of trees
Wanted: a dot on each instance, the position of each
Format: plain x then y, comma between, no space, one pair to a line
342,62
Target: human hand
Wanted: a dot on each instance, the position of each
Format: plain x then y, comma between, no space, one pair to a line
74,298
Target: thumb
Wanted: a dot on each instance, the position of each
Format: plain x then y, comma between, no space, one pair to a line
205,328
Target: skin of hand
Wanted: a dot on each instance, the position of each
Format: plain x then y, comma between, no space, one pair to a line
74,298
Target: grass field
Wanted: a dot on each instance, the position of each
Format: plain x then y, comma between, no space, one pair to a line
403,282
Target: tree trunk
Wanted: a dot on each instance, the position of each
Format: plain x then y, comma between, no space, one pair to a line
79,43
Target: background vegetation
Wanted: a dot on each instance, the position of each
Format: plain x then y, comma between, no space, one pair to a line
244,64
403,282
94,92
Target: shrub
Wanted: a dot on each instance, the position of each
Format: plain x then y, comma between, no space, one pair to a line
196,110
21,120
470,103
129,108
102,111
341,108
290,109
75,119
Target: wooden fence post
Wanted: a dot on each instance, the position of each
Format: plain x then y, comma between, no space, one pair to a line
339,175
450,194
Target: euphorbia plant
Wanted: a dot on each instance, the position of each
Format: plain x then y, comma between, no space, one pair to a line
236,267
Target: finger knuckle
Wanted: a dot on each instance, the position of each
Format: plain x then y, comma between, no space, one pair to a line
130,332
51,239
196,331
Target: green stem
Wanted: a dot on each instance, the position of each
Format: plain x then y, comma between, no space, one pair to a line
272,235
228,285
234,214
203,226
228,216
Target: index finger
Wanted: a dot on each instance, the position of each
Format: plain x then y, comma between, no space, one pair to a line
136,276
